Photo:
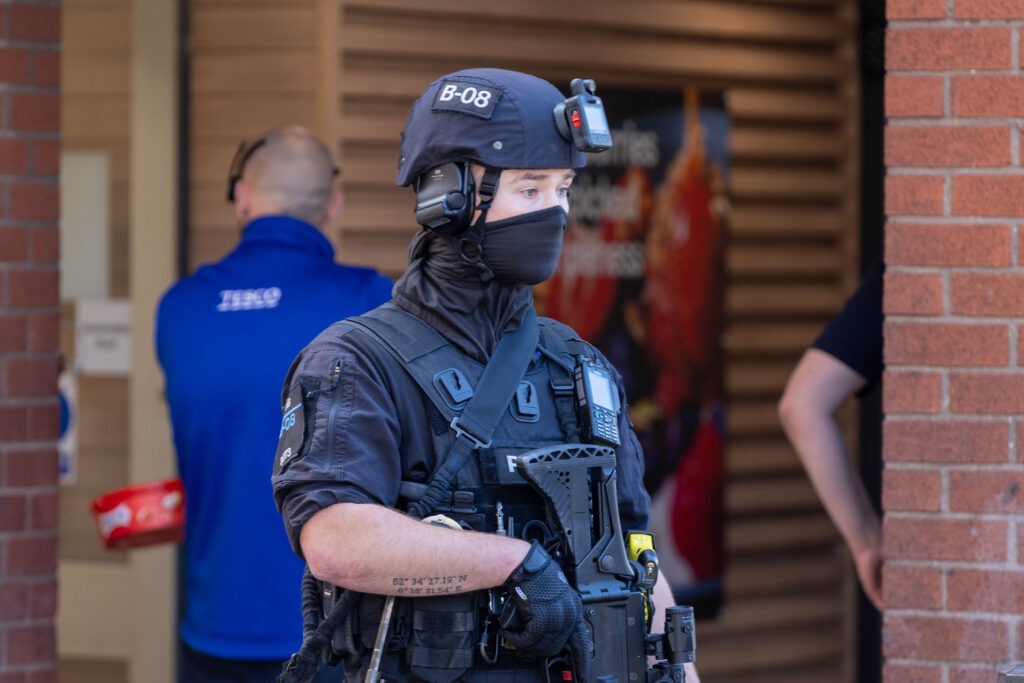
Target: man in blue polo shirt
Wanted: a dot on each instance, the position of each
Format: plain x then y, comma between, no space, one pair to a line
225,337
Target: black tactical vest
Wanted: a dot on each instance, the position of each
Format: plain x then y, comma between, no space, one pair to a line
442,639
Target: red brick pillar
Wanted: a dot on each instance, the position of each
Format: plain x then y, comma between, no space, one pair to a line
29,320
954,388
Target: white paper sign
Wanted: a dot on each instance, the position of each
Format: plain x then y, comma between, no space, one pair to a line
103,336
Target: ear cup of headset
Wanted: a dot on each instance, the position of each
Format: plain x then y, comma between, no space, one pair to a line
444,198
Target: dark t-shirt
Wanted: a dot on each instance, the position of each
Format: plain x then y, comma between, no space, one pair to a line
854,335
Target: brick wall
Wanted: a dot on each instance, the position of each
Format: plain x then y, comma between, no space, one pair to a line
954,387
29,294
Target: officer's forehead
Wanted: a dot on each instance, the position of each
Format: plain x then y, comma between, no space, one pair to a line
537,174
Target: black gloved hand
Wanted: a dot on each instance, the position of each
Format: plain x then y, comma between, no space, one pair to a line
544,611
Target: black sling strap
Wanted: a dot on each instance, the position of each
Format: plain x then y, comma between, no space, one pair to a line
476,423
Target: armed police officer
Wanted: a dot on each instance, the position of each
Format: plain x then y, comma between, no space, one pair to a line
424,407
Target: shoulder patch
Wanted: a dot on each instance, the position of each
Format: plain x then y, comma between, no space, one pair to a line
293,437
466,97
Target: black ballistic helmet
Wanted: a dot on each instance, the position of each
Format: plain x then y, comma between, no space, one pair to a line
494,117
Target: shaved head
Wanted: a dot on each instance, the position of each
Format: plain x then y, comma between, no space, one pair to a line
291,173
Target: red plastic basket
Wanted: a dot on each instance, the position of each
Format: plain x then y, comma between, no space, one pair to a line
141,515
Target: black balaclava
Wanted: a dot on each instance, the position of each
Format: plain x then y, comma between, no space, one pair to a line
524,249
443,287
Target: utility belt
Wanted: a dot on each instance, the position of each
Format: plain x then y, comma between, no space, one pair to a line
433,639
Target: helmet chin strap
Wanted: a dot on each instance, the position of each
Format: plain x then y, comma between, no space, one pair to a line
474,234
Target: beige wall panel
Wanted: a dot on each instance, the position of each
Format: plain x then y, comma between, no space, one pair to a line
696,19
368,168
779,299
379,209
780,495
94,116
79,539
97,26
761,377
774,535
253,66
755,338
761,457
101,465
795,220
784,105
211,211
365,124
209,247
284,71
376,250
248,3
780,576
119,241
784,261
95,92
809,4
87,670
772,613
94,623
773,650
534,48
784,145
803,183
252,26
115,146
93,75
751,416
88,119
227,119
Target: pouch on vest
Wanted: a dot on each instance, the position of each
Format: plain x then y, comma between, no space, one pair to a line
444,631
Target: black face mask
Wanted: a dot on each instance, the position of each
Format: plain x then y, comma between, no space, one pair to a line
524,249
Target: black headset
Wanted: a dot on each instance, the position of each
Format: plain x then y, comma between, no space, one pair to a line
446,196
242,156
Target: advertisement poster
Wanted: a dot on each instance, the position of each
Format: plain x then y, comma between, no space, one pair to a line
641,278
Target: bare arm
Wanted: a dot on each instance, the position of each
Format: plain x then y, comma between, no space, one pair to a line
818,386
374,549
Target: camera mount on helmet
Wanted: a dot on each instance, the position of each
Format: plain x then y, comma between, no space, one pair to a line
581,118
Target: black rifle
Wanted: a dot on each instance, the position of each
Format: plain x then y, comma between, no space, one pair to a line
577,482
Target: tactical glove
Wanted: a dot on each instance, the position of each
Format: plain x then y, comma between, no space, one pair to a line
544,613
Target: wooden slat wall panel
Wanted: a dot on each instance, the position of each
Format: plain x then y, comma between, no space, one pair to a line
95,115
95,74
788,260
101,420
790,85
253,66
95,95
81,670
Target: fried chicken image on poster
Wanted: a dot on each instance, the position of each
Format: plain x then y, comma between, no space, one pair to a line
641,278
